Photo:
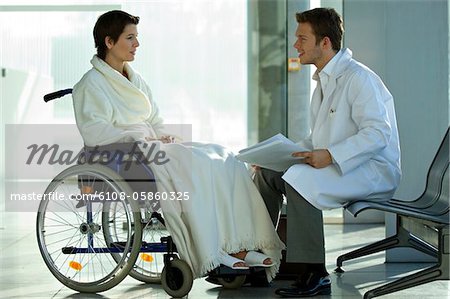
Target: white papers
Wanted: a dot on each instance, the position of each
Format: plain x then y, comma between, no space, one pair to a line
274,153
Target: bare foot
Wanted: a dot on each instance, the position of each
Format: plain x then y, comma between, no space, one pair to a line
240,264
239,255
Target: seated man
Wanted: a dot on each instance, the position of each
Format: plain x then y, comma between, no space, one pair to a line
354,148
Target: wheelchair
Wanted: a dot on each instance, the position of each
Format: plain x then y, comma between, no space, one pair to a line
94,227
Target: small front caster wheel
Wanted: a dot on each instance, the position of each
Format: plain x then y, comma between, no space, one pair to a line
177,278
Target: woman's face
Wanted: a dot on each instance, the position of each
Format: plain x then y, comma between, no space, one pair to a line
124,48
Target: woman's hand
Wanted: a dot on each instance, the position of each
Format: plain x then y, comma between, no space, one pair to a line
163,139
317,158
147,138
167,139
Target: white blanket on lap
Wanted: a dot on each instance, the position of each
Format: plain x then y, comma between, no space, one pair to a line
224,213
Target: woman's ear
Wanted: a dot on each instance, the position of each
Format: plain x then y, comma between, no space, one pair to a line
109,42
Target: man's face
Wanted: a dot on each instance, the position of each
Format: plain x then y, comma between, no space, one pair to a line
308,51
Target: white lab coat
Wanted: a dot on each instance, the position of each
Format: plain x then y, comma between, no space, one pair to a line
356,122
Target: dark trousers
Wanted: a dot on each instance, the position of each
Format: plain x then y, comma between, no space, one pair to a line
305,239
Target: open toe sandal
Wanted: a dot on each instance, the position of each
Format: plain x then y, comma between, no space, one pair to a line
229,261
256,259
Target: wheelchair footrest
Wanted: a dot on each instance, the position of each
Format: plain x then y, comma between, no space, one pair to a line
224,271
153,247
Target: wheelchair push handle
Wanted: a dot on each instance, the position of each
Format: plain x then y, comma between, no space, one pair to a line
57,94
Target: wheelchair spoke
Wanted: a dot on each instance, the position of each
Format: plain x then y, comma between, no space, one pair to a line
59,249
61,223
75,238
60,232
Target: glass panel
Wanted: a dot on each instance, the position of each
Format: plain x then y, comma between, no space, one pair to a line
45,51
193,55
267,69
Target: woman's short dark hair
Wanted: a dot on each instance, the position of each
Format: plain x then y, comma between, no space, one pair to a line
324,22
112,24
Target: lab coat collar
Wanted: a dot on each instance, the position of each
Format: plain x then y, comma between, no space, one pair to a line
343,57
336,66
332,71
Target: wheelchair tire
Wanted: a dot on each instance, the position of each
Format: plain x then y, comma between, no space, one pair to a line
148,265
232,282
69,230
177,278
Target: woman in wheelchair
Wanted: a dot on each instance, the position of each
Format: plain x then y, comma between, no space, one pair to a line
224,221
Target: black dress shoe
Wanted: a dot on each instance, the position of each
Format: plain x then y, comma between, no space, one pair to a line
305,280
311,285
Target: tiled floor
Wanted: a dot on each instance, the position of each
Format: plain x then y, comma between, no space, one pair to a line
24,274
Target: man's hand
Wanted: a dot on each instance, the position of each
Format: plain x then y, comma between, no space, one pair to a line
255,167
317,158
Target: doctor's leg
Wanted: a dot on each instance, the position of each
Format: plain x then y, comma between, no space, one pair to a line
305,238
271,187
305,248
305,235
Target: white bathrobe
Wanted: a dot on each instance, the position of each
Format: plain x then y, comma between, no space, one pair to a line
225,212
356,122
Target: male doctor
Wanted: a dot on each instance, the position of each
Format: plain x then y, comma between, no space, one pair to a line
354,150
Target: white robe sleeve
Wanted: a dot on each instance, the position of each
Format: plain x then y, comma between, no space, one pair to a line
154,120
370,114
94,114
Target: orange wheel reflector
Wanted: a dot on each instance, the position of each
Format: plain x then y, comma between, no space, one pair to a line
75,265
87,190
146,257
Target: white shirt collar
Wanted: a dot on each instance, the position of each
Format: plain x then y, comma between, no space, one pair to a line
327,71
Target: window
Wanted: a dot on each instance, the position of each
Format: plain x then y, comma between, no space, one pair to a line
193,55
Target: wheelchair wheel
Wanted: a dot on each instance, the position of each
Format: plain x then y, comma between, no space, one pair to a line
177,278
232,282
149,265
70,231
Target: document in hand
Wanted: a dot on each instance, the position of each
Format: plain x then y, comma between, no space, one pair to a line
274,153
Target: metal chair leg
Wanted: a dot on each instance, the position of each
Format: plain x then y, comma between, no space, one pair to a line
437,272
421,277
391,242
